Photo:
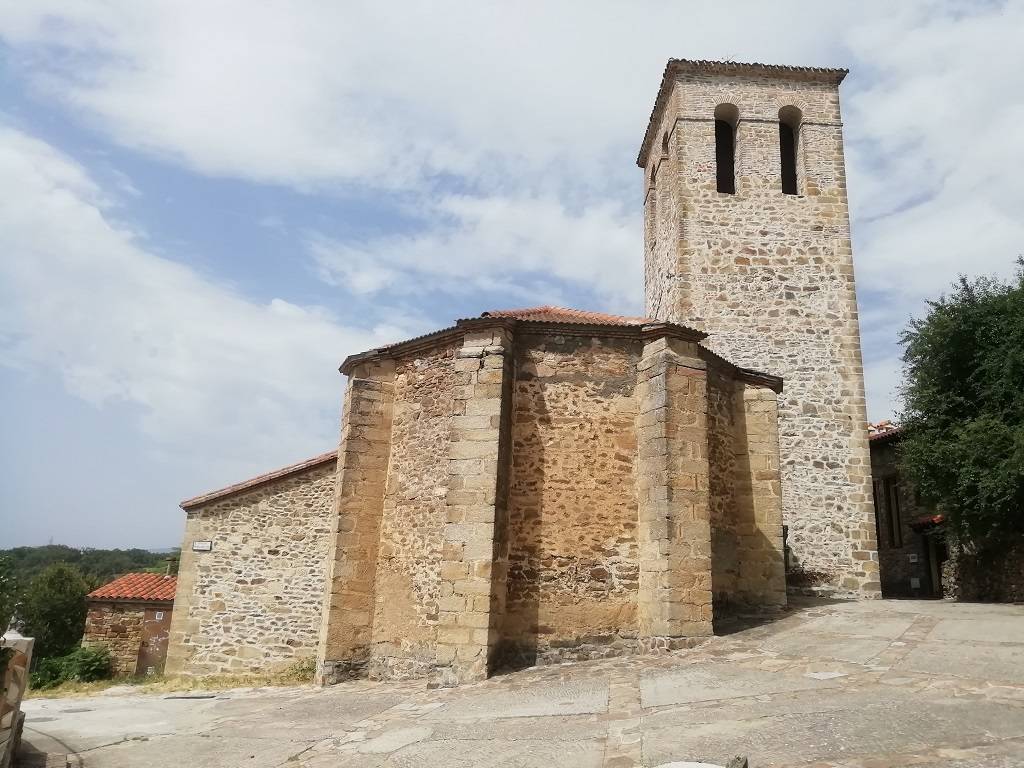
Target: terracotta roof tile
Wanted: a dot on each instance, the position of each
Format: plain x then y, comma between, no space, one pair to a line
883,430
549,314
143,587
252,482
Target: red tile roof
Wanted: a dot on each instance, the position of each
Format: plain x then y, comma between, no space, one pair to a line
923,523
883,430
140,587
549,314
252,482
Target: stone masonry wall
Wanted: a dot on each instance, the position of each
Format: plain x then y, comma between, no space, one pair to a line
413,519
770,277
117,627
253,603
573,568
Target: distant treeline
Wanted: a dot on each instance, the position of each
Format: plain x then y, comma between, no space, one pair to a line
98,566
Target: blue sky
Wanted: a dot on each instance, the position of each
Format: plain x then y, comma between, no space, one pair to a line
204,207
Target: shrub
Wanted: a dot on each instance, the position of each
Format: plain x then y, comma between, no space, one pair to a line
964,415
82,665
52,610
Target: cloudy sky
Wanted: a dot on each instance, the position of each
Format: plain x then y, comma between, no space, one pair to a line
205,206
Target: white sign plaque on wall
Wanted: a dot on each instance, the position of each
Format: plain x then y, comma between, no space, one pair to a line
202,546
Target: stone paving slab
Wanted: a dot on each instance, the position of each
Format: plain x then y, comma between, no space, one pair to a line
587,697
859,650
874,684
995,663
722,681
983,630
886,627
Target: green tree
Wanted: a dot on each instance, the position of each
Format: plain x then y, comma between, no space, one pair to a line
98,565
8,593
53,608
964,408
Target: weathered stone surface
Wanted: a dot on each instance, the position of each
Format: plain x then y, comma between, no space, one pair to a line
408,582
573,569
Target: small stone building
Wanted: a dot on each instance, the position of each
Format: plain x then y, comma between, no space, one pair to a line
253,571
131,616
916,555
911,548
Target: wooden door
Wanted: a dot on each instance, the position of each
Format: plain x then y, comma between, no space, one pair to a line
156,626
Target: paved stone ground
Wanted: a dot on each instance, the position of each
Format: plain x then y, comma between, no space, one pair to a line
841,685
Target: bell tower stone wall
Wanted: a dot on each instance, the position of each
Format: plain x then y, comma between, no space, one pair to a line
769,276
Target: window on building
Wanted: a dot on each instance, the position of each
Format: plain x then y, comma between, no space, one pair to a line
789,136
892,497
726,119
877,497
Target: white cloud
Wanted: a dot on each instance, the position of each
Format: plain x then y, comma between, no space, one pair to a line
503,94
933,152
534,112
517,245
81,297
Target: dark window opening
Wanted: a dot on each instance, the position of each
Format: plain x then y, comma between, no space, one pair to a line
789,136
892,494
876,492
725,157
787,148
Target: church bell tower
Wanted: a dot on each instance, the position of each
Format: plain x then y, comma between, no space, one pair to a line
747,237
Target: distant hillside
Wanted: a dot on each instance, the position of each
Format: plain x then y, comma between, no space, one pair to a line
98,565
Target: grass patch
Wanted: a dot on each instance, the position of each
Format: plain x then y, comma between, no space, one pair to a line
300,673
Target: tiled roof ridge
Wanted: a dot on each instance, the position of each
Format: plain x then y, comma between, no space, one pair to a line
139,587
675,65
258,480
883,429
755,65
550,312
558,319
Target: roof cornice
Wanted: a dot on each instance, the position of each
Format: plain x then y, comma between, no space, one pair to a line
639,331
259,480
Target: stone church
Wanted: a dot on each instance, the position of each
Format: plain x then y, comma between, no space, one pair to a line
544,484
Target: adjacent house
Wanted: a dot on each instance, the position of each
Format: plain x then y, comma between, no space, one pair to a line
132,617
911,541
916,555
